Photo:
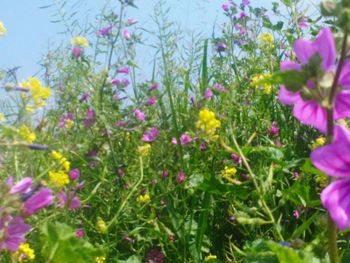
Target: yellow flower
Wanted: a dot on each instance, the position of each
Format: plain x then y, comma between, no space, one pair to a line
144,149
79,41
143,199
24,252
208,123
320,141
26,134
2,29
60,178
61,160
2,117
101,225
38,93
266,38
100,259
69,123
210,257
267,88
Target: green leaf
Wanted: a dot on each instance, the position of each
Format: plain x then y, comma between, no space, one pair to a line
292,79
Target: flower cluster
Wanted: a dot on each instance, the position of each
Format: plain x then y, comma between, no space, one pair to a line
258,80
37,93
208,123
26,134
78,43
2,29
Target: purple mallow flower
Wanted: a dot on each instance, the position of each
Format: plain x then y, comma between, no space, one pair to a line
184,139
13,230
90,116
151,101
140,115
208,94
106,31
22,186
334,160
225,7
39,200
150,135
74,174
124,70
310,112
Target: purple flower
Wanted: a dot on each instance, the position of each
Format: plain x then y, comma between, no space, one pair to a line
151,101
90,116
310,112
181,177
126,35
116,82
65,120
22,186
140,115
120,124
208,94
184,139
155,256
274,130
245,2
125,83
124,70
74,174
219,87
203,147
14,230
150,135
154,86
236,158
79,233
106,31
40,199
221,47
242,15
303,22
165,173
336,199
77,51
84,97
225,7
73,200
296,214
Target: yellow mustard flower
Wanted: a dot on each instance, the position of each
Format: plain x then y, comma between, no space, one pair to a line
38,93
144,149
267,88
266,38
101,225
229,175
208,123
25,253
320,141
60,178
100,259
2,29
26,134
69,123
143,199
210,257
61,160
79,41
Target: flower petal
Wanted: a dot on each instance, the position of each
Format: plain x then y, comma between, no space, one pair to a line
311,113
288,97
336,199
334,159
342,105
304,50
326,48
344,78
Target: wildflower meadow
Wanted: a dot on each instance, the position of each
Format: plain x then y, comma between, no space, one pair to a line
228,146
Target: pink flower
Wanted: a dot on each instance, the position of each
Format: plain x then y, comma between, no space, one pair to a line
310,112
116,82
74,174
77,51
208,94
242,15
151,101
245,2
303,22
225,7
140,115
22,186
219,87
154,86
126,35
274,130
181,177
124,70
13,229
79,233
106,31
236,158
150,135
296,214
73,200
184,139
90,117
37,201
131,21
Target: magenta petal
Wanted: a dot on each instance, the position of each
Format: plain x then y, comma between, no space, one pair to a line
22,186
290,65
326,48
311,113
342,105
288,97
344,78
334,159
41,199
304,49
336,199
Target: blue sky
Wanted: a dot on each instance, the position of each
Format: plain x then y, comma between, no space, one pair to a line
30,32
